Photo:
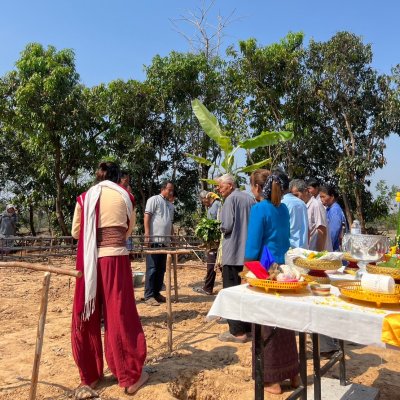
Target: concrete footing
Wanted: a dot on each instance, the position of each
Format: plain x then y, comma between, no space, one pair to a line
331,390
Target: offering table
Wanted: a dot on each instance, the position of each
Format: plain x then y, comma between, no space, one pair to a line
333,316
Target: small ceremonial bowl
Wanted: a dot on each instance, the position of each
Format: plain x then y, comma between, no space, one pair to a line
138,278
319,289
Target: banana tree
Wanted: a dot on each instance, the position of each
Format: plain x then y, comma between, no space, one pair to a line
211,127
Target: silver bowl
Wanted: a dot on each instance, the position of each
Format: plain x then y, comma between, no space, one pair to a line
138,278
366,247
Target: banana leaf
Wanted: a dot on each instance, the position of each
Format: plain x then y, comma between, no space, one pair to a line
210,181
266,139
253,167
210,125
200,160
228,163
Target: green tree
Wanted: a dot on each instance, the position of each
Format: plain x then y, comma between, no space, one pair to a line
54,117
352,98
211,128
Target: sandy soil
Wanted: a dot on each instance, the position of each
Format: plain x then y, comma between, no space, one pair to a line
200,366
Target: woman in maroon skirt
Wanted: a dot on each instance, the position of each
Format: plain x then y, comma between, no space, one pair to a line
104,217
269,226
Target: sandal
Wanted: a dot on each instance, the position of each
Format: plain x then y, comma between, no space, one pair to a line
151,301
85,392
201,290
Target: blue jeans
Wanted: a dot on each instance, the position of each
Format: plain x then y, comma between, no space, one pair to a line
155,271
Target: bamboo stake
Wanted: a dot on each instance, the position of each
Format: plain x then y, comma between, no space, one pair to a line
169,307
40,334
40,267
176,276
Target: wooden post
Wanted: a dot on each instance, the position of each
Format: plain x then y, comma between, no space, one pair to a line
258,344
176,277
40,334
169,307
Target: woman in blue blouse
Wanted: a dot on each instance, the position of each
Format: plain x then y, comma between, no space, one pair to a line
269,226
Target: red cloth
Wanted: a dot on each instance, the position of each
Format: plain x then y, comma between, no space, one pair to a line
257,269
124,340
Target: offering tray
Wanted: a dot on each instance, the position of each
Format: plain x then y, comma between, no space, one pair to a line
317,264
353,290
376,269
268,284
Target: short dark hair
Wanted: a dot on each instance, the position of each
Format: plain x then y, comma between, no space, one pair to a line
124,173
164,184
312,182
330,190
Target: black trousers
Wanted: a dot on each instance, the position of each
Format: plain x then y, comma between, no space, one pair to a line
211,274
230,277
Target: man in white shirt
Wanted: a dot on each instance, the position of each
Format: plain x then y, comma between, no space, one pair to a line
158,219
318,231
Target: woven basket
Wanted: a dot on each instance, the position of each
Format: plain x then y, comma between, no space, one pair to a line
318,279
353,290
376,269
349,257
267,284
317,264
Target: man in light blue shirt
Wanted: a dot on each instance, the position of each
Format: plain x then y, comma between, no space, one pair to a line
297,213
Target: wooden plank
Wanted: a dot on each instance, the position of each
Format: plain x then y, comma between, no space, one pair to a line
176,276
169,306
40,335
40,267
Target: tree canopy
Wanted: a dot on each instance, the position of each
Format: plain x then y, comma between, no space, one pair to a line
338,108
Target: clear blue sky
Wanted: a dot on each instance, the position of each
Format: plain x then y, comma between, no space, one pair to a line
114,39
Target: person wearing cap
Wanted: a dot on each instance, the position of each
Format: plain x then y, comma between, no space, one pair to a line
8,225
213,203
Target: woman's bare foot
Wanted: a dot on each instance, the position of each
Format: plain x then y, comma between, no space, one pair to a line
94,384
295,382
273,388
135,387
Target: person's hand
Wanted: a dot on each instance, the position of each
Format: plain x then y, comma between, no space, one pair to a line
146,241
217,267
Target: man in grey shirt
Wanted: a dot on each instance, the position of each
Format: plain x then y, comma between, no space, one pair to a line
158,219
234,220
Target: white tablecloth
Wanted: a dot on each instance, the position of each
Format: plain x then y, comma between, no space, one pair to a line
330,315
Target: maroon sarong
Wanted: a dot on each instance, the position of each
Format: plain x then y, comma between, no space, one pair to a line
281,359
124,341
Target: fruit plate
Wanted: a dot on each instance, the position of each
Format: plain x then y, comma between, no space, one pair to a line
268,284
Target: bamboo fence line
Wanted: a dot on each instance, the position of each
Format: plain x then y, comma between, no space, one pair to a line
42,311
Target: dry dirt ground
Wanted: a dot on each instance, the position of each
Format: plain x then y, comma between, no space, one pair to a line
200,367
